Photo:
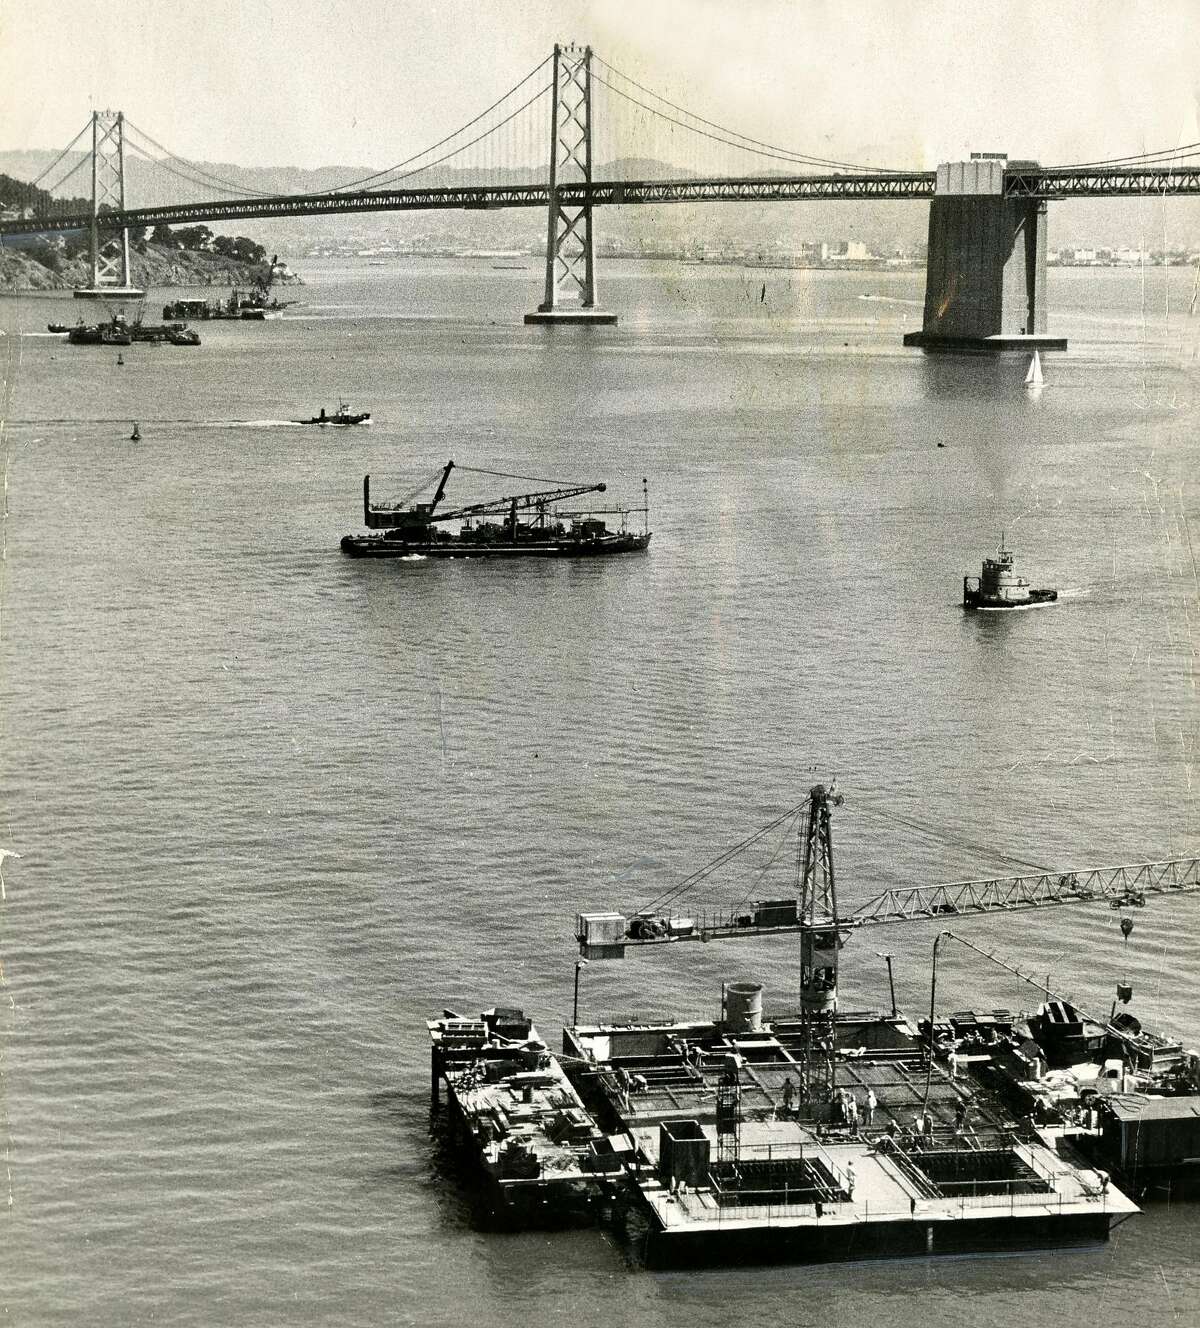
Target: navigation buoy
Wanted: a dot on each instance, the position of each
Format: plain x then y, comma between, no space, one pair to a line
120,358
136,435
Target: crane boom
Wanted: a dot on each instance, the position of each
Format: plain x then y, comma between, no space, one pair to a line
1124,886
606,935
518,502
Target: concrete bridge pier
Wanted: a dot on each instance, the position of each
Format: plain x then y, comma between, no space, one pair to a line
985,276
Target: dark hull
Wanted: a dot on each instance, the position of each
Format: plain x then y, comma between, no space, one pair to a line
93,337
972,599
876,1240
340,421
377,546
534,1205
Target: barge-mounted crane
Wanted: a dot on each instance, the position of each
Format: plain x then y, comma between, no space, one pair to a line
416,529
826,1133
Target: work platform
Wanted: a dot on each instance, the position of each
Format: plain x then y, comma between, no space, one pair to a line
930,1163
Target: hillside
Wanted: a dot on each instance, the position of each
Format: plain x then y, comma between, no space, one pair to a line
157,266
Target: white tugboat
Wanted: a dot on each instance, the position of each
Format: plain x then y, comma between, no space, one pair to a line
999,586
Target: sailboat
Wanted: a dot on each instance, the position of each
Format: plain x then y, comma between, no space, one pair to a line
1033,379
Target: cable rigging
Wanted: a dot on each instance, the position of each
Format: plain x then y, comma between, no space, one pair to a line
746,144
33,184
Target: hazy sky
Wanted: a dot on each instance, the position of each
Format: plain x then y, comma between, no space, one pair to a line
319,82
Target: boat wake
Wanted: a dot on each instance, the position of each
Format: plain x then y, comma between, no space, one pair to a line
254,424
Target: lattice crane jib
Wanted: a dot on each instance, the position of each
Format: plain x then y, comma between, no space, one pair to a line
570,252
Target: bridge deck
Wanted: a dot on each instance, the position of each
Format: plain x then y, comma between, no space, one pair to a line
1041,183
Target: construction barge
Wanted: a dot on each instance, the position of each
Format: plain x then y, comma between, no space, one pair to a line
418,530
818,1134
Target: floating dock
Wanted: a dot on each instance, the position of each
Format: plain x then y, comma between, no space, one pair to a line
728,1167
701,1129
820,1133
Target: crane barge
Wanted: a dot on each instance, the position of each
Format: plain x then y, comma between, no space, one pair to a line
418,529
824,1132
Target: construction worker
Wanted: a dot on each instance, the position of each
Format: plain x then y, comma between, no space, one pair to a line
872,1103
789,1095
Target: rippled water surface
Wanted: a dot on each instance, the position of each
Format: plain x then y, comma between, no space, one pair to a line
275,808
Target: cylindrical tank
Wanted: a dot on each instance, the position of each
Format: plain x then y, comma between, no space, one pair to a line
743,1007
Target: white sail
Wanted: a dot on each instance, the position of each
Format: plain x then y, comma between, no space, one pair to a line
1034,377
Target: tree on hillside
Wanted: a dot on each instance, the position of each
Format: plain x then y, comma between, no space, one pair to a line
162,235
239,248
193,237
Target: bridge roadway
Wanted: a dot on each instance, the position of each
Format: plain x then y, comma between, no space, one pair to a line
1047,183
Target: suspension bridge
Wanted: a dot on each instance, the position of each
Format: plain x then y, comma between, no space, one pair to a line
986,266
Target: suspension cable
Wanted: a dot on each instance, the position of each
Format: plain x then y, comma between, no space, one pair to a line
139,151
206,175
793,158
771,148
236,190
34,183
395,179
79,165
362,180
1187,150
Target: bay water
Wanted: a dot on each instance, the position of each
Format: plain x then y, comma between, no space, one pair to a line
276,807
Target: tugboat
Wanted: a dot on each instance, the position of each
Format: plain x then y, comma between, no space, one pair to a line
999,587
415,531
342,415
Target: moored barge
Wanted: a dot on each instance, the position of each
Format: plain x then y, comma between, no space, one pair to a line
539,1151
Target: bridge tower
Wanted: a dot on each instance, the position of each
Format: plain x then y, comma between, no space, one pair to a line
110,245
985,275
570,252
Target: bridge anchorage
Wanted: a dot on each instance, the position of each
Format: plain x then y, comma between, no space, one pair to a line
110,245
985,274
570,250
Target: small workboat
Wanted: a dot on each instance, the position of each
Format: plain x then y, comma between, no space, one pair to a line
342,415
999,586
